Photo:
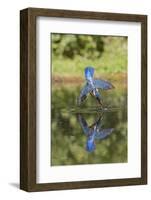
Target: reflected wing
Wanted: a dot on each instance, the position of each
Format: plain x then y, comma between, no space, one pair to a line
103,133
83,124
104,85
84,92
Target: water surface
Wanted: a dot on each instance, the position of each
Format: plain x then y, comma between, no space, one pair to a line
68,141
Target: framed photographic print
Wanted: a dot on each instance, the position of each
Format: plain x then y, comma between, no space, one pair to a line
83,99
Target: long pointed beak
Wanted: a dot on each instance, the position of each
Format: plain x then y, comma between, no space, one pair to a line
100,102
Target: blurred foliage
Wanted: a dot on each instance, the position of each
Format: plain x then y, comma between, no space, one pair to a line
68,140
71,53
71,45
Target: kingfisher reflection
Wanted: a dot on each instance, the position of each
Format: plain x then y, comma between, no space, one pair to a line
94,131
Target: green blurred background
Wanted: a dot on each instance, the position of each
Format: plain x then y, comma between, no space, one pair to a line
70,54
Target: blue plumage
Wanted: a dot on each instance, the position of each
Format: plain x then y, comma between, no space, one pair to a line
89,72
93,132
92,86
90,145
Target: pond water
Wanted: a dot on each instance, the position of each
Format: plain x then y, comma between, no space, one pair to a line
72,126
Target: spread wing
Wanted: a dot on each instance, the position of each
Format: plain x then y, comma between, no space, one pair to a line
103,133
104,85
83,124
84,92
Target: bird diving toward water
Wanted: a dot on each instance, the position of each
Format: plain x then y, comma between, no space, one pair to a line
93,132
92,85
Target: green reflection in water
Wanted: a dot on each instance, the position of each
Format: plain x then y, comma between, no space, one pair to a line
67,138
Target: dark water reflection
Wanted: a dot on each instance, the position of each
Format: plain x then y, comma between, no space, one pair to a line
68,140
94,131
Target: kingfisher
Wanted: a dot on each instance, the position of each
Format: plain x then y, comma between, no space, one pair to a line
93,132
92,85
